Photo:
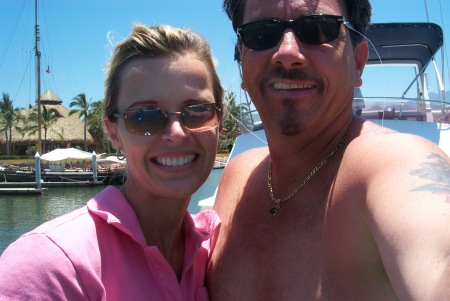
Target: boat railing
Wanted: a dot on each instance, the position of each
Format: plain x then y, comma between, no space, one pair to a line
248,121
373,107
402,108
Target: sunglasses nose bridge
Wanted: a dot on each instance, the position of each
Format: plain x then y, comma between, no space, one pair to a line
289,38
292,26
282,27
178,117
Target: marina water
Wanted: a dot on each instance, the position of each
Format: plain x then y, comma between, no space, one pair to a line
20,214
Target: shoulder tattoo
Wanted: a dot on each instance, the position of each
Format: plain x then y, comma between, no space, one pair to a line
436,169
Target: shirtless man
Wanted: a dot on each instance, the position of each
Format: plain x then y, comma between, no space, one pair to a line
355,221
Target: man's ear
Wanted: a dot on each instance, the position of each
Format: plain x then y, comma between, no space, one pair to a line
238,51
361,53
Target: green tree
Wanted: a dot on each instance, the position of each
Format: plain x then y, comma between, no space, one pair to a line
234,114
9,117
48,117
82,108
95,121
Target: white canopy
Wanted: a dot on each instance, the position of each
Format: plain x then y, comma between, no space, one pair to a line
111,159
67,155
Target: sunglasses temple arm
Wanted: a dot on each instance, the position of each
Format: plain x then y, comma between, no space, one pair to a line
206,129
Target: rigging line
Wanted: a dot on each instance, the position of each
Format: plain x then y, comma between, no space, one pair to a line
11,35
372,46
51,34
44,43
64,58
27,56
45,83
426,10
250,131
48,41
23,76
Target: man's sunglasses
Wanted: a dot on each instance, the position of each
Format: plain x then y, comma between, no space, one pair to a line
152,121
310,29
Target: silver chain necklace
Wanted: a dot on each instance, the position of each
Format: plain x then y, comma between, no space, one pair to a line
274,210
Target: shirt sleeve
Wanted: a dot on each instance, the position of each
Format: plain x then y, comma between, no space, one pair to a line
35,268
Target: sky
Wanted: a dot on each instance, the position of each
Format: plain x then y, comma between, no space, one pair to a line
75,47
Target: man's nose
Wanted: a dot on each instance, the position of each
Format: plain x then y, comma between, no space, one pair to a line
290,51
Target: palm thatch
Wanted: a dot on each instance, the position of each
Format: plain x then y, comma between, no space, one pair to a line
67,130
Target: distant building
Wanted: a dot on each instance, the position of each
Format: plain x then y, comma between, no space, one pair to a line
68,131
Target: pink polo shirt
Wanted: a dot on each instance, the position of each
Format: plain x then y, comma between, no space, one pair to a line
98,252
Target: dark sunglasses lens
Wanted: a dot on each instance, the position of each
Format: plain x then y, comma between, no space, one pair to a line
199,116
261,35
315,30
145,121
312,30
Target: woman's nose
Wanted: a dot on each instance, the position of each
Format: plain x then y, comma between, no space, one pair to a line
174,129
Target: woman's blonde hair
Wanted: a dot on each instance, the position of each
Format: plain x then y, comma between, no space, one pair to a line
154,42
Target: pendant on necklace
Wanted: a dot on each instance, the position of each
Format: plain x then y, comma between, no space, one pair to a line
274,210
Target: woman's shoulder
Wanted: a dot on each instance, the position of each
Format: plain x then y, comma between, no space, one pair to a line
58,238
36,265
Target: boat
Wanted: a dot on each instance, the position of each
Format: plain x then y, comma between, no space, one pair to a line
106,176
399,45
64,165
220,162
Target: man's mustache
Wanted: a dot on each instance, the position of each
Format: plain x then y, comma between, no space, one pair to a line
293,75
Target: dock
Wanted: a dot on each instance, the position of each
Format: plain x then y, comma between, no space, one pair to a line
21,191
49,184
29,188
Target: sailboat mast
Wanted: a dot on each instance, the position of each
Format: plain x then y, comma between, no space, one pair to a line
38,78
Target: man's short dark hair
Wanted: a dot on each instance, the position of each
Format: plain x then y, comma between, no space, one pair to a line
359,13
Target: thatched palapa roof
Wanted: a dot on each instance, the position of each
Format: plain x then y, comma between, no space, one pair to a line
68,129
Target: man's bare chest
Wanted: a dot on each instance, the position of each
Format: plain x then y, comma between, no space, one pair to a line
314,247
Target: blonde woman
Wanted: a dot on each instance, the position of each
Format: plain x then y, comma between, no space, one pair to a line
163,111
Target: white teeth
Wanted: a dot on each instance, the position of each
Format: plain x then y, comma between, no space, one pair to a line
281,86
175,161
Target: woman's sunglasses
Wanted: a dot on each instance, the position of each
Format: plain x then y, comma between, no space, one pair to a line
152,121
310,29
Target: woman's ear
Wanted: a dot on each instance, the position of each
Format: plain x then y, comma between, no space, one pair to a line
111,128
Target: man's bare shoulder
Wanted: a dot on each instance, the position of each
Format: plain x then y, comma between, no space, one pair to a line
235,176
248,159
405,179
240,167
372,145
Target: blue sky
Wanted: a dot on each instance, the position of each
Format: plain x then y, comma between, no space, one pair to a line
75,48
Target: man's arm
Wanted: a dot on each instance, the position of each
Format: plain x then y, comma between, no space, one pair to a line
408,199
